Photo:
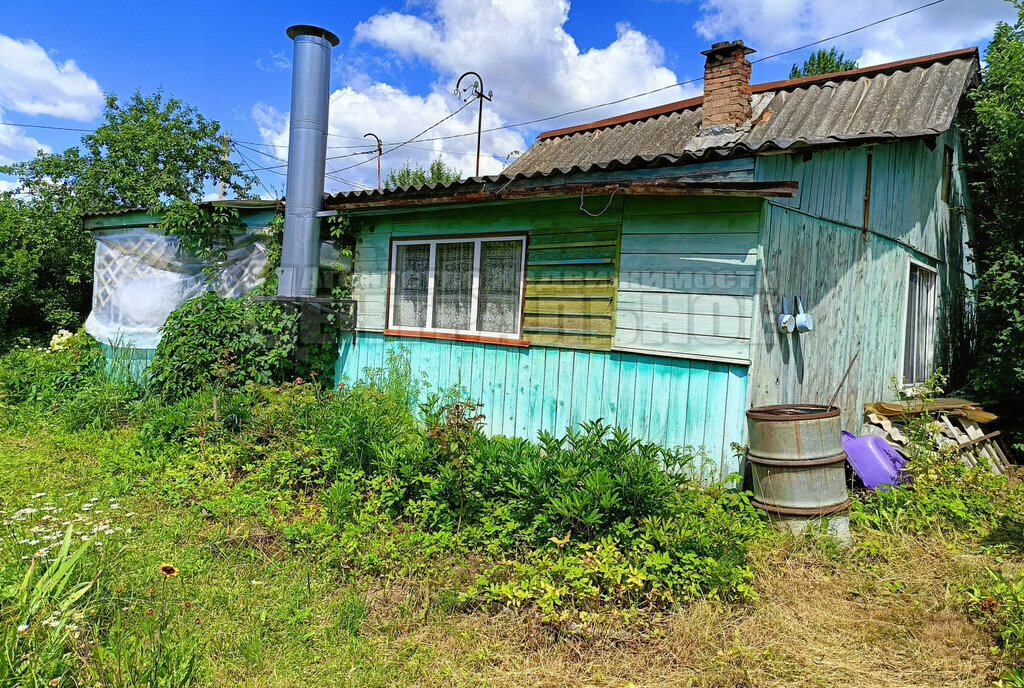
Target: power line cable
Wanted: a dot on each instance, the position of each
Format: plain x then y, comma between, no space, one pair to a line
562,114
251,171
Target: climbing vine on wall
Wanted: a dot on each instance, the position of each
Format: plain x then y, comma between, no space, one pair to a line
205,231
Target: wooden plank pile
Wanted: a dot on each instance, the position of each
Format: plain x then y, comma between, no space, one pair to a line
959,424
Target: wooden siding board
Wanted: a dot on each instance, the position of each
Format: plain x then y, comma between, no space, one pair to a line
695,304
677,396
732,349
610,398
686,283
512,393
696,404
714,415
684,323
856,289
525,391
643,397
549,405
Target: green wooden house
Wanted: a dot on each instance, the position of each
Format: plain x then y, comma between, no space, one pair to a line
635,269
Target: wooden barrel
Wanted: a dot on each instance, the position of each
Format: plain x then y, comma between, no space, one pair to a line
797,460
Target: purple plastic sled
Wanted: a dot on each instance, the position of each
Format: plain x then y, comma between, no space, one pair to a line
874,461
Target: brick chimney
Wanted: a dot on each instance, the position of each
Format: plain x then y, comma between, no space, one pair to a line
726,85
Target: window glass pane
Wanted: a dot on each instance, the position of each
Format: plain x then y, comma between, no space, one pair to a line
412,263
501,271
453,285
920,339
910,348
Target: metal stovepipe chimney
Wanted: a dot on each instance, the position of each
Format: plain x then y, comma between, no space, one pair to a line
307,153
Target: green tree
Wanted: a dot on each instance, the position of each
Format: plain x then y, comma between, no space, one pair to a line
823,62
995,147
408,175
149,150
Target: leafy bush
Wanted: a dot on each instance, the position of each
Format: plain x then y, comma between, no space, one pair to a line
222,342
995,147
698,550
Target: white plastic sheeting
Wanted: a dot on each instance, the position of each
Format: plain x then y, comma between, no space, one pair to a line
140,277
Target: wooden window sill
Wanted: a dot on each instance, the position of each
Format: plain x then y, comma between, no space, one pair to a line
455,337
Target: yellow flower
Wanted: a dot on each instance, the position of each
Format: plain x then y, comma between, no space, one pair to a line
563,541
168,570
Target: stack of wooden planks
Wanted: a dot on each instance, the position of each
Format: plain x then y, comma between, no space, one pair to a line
958,424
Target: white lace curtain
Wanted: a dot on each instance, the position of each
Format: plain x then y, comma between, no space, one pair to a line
451,294
501,268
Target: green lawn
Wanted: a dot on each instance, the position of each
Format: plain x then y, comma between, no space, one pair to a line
888,613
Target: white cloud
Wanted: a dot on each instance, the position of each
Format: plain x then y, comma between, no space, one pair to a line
395,116
32,83
16,145
6,186
525,55
273,62
774,25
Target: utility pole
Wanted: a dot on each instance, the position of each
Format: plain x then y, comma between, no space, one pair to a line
380,152
222,188
478,93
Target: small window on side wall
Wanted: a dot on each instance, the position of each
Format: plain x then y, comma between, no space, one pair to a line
919,347
471,286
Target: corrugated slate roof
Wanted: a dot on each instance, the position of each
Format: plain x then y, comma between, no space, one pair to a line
907,99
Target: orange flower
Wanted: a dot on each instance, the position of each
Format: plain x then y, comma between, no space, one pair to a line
187,605
149,612
198,621
168,570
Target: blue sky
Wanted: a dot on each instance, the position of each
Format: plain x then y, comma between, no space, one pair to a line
398,61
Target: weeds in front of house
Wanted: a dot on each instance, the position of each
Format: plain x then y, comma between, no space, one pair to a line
582,532
962,501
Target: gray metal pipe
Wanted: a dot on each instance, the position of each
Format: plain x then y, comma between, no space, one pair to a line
307,153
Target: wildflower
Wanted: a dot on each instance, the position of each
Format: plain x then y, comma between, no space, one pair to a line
55,682
22,628
255,582
119,589
187,604
152,591
198,621
168,570
149,612
299,381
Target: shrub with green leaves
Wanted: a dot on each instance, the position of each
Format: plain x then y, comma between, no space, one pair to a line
212,341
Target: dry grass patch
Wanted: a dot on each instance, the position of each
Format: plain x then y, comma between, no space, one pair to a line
892,620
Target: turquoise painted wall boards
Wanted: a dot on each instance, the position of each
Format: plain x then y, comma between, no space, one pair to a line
674,402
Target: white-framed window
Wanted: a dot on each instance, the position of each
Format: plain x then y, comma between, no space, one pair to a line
458,285
919,333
